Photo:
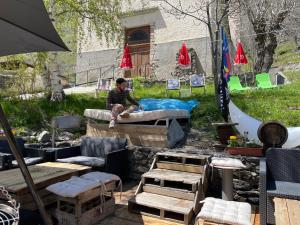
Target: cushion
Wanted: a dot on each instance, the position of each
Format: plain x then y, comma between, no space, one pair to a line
103,114
101,177
227,162
229,212
101,146
84,160
28,161
72,187
283,189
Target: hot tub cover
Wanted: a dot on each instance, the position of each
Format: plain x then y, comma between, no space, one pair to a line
102,114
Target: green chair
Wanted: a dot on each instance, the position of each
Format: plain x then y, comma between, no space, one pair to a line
235,84
263,81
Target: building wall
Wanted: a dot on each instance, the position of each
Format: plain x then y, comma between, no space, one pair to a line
167,34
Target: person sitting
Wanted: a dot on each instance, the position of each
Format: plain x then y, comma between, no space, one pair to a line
116,102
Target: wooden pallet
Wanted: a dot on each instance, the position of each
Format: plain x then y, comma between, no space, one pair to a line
181,161
170,192
173,179
140,135
163,207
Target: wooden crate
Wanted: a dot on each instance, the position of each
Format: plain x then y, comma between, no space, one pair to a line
87,208
140,135
86,216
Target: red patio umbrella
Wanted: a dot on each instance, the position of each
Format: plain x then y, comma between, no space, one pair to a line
184,58
126,62
240,57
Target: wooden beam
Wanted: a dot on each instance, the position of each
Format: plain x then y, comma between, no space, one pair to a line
27,177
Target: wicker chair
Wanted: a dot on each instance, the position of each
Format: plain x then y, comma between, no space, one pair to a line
279,177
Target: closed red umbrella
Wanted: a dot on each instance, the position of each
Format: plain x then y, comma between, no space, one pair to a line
240,57
126,62
184,58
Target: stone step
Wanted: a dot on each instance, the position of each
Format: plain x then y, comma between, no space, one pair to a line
170,192
173,179
163,207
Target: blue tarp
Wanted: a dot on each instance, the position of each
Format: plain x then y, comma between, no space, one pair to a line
151,104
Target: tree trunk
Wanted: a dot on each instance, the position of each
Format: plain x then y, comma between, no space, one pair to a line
260,53
269,52
297,46
214,50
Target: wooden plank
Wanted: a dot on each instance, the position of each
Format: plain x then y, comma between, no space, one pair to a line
293,207
184,154
43,175
281,212
131,128
163,202
169,175
170,192
140,135
180,167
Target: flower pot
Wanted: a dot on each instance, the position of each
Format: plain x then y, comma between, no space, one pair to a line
224,131
247,151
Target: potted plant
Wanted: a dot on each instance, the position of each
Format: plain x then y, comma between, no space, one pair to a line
245,149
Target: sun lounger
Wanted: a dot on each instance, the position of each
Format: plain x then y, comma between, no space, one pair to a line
235,84
263,81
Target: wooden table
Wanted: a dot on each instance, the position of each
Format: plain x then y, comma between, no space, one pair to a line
287,211
43,175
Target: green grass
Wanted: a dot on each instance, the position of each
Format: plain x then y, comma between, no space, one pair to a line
285,53
37,113
272,104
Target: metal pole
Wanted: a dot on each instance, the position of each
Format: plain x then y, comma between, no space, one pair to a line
227,185
25,172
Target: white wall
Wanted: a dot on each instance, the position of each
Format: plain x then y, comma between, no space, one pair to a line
167,27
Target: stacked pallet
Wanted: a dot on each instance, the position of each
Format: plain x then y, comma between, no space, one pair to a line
173,187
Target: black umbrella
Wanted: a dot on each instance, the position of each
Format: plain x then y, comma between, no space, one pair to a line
26,27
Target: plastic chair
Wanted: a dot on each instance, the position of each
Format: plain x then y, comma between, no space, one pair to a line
263,81
234,84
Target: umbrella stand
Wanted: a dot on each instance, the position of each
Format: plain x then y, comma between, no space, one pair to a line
27,177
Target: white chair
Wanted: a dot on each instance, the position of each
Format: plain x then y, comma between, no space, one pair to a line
197,81
172,85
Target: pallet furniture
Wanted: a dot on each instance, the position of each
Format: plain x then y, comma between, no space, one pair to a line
88,207
173,187
43,175
287,211
140,135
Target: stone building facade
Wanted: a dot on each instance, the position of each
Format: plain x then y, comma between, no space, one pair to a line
154,37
